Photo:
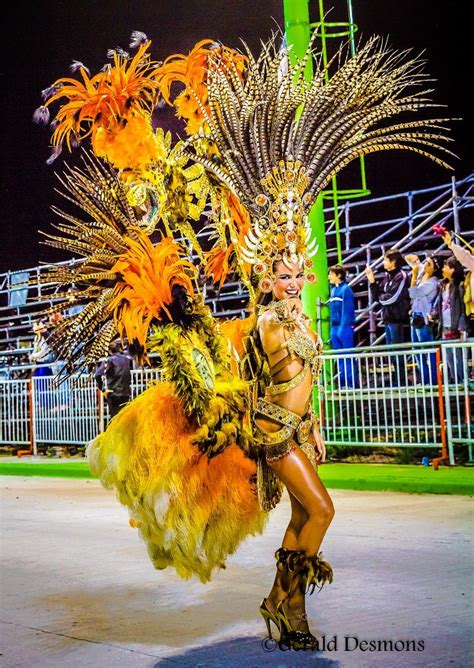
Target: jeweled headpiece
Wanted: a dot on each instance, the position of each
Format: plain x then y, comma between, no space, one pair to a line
282,232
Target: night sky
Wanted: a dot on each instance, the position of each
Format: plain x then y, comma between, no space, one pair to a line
45,37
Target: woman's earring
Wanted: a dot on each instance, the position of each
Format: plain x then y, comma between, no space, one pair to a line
266,285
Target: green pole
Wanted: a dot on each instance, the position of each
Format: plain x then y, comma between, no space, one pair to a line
298,32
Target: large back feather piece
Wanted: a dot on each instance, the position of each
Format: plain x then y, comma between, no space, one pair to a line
347,110
97,242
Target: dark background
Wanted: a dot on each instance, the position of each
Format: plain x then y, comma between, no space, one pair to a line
45,36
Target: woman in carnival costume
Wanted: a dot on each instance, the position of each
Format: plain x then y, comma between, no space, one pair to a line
203,455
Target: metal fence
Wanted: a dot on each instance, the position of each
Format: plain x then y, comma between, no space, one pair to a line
16,412
372,398
417,396
403,396
458,384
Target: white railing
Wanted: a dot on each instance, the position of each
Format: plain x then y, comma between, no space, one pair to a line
15,411
406,396
458,383
417,396
371,398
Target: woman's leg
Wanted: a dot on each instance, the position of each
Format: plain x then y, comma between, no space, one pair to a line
419,363
425,335
314,512
302,481
290,540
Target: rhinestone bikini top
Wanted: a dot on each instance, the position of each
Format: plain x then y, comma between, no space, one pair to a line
302,345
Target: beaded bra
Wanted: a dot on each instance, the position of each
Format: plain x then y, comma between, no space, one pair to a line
299,344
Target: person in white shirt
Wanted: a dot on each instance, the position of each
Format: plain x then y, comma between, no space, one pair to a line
466,258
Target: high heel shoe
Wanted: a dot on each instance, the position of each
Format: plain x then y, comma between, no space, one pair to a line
295,638
268,616
306,573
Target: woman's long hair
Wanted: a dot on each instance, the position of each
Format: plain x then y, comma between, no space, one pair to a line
254,363
436,264
458,276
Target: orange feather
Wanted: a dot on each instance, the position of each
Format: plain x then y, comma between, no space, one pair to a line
147,276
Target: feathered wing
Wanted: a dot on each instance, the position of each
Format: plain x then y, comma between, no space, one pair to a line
180,455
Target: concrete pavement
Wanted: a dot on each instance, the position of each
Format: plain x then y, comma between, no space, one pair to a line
78,589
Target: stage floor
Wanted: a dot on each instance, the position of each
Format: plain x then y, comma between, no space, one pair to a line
79,590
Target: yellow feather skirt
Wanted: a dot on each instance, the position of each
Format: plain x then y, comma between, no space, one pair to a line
191,511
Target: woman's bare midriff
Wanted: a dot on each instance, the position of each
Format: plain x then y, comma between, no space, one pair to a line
297,399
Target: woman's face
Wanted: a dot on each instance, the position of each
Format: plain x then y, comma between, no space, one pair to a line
448,272
288,282
428,267
388,264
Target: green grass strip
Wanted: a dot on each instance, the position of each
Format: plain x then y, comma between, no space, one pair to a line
50,469
365,477
399,478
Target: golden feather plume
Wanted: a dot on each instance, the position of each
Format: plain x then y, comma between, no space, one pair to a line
148,274
270,118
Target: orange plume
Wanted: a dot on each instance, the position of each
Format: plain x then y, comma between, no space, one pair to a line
219,260
105,100
147,276
191,70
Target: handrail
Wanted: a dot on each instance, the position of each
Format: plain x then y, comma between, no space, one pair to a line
424,222
454,197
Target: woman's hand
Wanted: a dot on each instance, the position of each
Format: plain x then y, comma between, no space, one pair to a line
295,307
415,270
412,260
448,239
370,274
319,445
285,311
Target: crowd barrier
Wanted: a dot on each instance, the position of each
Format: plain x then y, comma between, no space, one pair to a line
403,396
416,396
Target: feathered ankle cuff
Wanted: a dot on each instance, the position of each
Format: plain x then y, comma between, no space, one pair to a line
318,571
314,571
289,561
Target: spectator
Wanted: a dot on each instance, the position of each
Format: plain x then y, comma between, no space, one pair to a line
41,353
342,317
74,309
392,294
461,254
116,371
423,291
449,313
466,258
41,357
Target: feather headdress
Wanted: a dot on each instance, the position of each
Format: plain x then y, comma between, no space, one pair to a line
269,142
282,138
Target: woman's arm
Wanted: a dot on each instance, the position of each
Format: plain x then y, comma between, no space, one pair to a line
463,256
320,446
415,270
427,289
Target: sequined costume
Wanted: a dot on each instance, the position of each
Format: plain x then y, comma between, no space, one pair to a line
187,456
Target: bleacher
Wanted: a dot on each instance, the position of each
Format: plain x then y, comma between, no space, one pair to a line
408,227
